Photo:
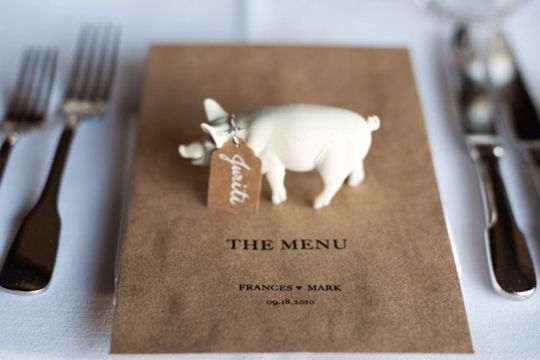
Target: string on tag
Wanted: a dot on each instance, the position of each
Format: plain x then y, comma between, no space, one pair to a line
233,132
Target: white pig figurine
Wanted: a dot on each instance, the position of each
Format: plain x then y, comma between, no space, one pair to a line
298,137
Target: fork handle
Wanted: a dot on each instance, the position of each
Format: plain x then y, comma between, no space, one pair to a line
5,150
30,261
510,264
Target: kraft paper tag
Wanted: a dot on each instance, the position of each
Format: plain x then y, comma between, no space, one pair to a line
235,179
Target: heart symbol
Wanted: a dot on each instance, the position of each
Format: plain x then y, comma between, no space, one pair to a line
298,287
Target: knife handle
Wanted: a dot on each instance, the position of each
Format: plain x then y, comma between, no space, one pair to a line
532,158
510,265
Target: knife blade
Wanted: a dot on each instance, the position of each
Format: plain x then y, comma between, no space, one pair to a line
509,262
517,103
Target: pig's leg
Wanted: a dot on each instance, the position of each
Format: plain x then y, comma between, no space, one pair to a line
357,175
275,174
333,171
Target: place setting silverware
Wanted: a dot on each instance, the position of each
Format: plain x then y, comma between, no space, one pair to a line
517,104
28,106
509,261
31,258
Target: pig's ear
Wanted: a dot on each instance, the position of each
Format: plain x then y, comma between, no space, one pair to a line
213,110
208,129
213,132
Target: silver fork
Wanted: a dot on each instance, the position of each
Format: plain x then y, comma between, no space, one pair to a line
29,103
30,262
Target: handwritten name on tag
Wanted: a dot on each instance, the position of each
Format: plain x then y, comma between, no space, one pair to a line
235,179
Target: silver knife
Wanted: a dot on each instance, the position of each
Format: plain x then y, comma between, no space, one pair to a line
510,265
517,103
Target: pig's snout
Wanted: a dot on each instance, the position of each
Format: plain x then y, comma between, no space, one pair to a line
182,150
191,151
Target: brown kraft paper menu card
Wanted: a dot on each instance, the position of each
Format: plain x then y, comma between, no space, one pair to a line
373,272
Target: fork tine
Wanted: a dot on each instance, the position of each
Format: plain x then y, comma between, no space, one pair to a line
41,74
23,73
109,75
24,80
50,71
26,111
89,65
78,62
102,59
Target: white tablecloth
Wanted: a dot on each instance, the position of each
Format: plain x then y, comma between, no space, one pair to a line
72,319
